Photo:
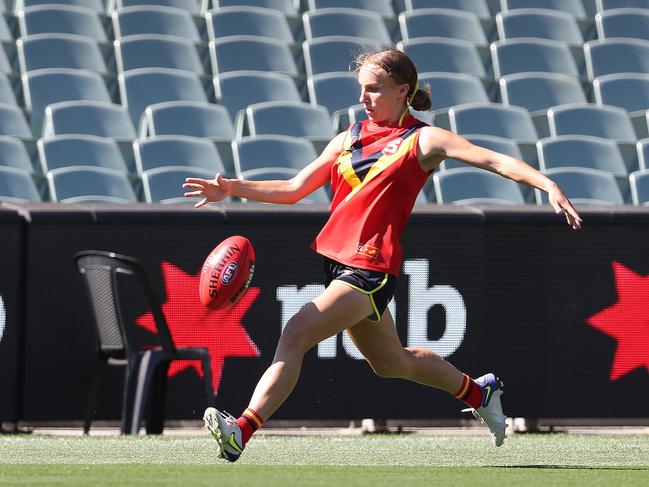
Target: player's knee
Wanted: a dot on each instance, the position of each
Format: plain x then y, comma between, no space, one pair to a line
393,368
293,337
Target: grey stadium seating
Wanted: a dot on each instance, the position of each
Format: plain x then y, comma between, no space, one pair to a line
80,150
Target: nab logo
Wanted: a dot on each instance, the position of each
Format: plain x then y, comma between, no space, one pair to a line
3,318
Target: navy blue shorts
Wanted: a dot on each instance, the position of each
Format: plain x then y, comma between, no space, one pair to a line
379,286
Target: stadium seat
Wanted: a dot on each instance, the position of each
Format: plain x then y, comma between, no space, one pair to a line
88,117
96,5
574,7
246,20
80,150
602,5
197,119
13,122
164,184
271,152
297,119
7,95
623,22
191,6
456,24
335,91
327,22
467,187
318,196
107,276
334,54
639,181
140,88
581,151
590,119
45,86
240,53
17,186
616,56
491,142
287,7
478,7
177,150
42,51
642,148
495,119
584,186
238,89
449,89
438,54
532,55
492,119
61,19
89,185
629,91
383,7
537,92
157,51
540,91
152,19
540,23
14,154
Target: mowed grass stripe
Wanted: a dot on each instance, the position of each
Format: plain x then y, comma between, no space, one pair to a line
312,475
373,461
389,450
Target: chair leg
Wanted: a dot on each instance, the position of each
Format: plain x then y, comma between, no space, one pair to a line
139,382
156,400
130,383
100,363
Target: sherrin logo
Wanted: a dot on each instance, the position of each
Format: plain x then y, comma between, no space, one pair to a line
229,272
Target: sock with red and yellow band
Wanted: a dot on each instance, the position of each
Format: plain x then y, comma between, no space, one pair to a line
469,392
249,422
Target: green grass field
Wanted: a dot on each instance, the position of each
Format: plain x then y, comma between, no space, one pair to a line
381,460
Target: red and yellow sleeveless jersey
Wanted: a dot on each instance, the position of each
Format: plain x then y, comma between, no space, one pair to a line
375,184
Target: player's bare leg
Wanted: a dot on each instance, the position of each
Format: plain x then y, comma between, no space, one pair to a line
337,308
380,345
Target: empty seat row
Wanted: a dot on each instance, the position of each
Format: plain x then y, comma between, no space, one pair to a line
269,23
459,186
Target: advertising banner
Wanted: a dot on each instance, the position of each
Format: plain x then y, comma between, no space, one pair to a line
555,313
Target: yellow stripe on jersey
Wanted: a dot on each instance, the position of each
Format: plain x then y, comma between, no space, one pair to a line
381,164
347,170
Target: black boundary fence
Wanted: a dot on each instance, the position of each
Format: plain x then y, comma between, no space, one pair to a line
561,316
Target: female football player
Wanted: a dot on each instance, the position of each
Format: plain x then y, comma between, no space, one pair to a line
376,168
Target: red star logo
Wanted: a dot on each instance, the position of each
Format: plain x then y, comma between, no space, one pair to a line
627,321
193,325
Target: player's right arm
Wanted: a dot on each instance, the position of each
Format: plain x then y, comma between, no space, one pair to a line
290,191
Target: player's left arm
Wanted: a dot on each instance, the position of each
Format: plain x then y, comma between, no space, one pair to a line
436,144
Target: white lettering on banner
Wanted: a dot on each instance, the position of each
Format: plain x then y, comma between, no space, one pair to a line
3,318
421,298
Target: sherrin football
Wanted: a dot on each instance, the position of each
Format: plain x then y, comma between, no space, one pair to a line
226,273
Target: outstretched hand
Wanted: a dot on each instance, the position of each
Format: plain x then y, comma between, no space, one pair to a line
210,189
561,204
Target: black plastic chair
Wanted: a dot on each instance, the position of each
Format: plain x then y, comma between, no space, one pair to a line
146,368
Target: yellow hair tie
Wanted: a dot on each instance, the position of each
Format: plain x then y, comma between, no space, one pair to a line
414,92
409,102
